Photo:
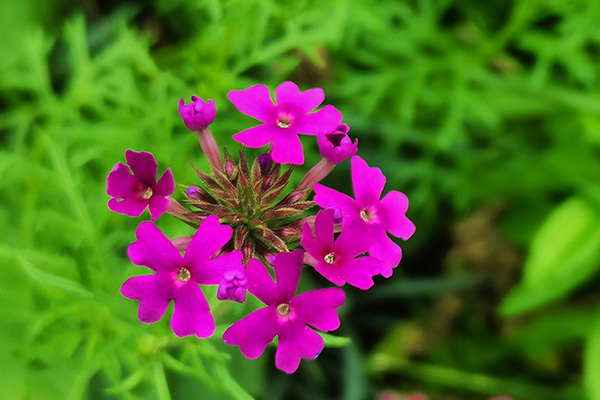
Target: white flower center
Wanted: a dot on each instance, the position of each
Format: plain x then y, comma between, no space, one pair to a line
330,258
184,275
283,123
146,193
283,309
365,215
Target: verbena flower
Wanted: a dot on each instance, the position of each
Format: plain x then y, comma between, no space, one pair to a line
284,121
369,214
133,191
336,259
177,277
336,146
287,315
197,115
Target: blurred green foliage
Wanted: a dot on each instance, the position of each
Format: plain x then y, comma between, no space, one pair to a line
486,114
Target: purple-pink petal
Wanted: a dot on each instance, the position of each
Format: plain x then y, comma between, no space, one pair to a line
210,237
319,307
395,205
257,136
296,343
368,182
152,305
260,282
131,206
387,251
288,267
359,272
120,182
287,148
143,165
165,185
353,241
157,205
288,93
330,198
323,121
254,101
212,272
254,332
191,312
312,246
153,249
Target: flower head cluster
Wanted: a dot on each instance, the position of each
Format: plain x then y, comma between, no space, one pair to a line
245,223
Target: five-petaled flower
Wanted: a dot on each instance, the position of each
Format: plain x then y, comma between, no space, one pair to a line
177,277
133,192
283,122
336,260
197,115
370,215
286,315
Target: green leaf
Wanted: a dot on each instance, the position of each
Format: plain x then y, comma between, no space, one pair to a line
564,253
591,370
335,341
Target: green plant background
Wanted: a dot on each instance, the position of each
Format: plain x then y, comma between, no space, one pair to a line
486,114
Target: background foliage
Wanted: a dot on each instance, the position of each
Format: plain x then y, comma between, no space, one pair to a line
486,114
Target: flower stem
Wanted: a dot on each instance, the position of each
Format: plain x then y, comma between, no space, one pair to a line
210,148
316,174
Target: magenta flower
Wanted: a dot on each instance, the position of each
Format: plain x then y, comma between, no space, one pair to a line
177,277
336,146
370,215
336,260
132,193
286,315
283,122
197,115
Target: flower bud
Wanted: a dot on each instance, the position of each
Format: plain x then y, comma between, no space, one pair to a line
197,115
233,286
336,146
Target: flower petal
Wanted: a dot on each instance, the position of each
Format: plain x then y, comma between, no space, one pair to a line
143,165
387,251
324,227
120,182
191,313
153,249
395,205
210,237
323,121
260,282
319,307
132,206
165,185
360,272
257,136
330,198
287,148
212,272
288,267
254,332
157,206
368,182
314,248
296,343
152,304
254,101
353,240
288,93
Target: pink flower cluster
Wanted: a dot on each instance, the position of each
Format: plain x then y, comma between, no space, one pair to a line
235,247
